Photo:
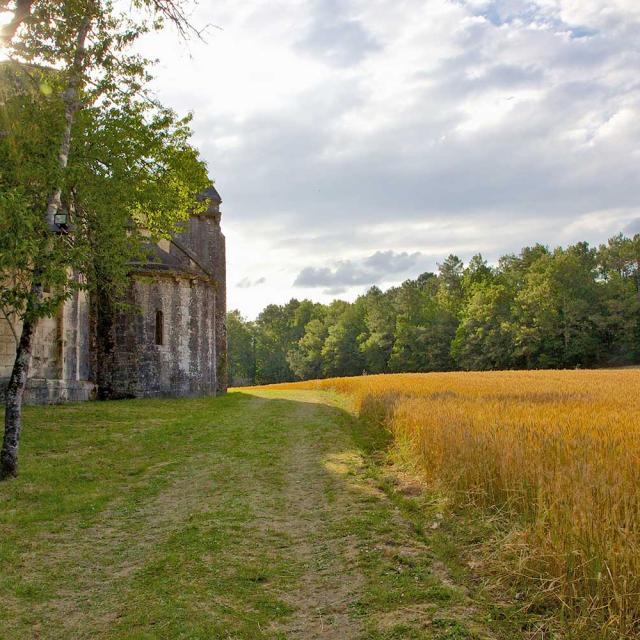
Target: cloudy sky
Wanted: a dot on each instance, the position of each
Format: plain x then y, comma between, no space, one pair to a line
359,142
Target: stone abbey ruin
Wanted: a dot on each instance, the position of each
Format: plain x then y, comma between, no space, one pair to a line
170,341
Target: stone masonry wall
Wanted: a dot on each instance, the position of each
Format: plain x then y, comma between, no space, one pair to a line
85,344
203,237
7,348
185,363
60,361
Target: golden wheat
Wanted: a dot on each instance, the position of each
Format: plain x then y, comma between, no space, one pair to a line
559,451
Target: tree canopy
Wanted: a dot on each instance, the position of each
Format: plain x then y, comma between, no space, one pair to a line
91,164
577,306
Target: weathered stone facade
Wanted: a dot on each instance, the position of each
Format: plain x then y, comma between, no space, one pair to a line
172,341
61,360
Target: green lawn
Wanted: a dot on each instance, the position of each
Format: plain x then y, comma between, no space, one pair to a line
263,515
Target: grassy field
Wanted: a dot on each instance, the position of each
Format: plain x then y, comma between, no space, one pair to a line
551,457
270,514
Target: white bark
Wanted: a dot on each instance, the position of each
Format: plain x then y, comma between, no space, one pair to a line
20,373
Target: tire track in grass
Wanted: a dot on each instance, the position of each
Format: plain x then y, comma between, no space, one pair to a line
331,580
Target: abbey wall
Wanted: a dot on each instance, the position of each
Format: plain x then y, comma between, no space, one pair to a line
171,340
61,359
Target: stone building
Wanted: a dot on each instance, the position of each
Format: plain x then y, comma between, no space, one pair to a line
171,343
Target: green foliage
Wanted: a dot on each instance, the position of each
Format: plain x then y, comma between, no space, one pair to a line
484,338
376,342
555,313
31,124
341,355
132,169
240,350
130,164
305,357
572,307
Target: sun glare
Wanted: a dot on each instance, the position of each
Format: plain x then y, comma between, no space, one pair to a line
5,19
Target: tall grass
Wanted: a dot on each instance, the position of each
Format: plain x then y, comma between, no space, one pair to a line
558,452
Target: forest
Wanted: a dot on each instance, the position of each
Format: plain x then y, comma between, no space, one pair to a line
570,307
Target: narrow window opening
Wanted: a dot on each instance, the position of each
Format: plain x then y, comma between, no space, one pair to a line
159,327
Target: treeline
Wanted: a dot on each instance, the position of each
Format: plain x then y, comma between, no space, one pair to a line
570,307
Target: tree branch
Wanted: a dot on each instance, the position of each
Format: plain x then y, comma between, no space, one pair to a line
20,14
71,106
11,327
173,11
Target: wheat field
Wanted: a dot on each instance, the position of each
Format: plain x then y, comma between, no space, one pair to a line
558,452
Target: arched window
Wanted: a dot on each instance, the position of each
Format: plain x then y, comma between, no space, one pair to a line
159,327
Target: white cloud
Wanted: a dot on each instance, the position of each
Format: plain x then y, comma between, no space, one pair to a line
381,266
336,130
247,283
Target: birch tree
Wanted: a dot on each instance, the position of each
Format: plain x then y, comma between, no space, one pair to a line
81,134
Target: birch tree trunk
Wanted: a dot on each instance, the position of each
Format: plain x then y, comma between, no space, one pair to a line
14,396
20,372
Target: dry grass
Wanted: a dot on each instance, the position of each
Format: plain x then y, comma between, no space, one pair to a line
558,452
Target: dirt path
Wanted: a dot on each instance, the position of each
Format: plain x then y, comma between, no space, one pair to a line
254,516
331,579
366,572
